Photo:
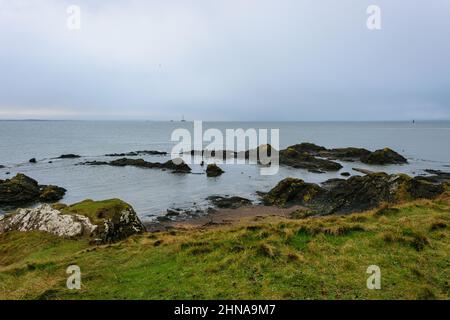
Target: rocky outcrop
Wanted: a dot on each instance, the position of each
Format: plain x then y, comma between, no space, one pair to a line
176,166
47,219
69,156
137,153
345,154
292,191
22,189
370,191
296,159
436,176
364,171
264,150
100,221
383,157
229,202
213,170
352,195
51,193
379,157
32,160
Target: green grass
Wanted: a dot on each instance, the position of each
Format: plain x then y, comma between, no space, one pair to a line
96,211
314,258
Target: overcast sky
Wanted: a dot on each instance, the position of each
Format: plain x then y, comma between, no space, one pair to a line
225,60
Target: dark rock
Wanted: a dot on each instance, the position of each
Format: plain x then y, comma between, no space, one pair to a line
292,191
383,157
229,202
137,153
370,191
22,189
51,193
345,174
32,160
178,166
352,195
213,170
1,167
264,150
172,213
307,147
419,188
293,158
94,163
437,176
19,189
346,154
331,183
69,156
365,171
379,157
163,219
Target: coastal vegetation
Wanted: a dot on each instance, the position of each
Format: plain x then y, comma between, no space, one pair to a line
313,241
271,258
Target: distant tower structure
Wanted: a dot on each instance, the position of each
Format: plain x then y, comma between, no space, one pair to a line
182,118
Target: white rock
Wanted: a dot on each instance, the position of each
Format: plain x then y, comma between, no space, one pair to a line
45,218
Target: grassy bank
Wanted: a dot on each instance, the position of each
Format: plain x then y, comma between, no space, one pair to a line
273,258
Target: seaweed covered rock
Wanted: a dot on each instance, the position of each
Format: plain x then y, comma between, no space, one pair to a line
176,165
352,195
292,191
229,202
69,156
137,153
213,170
22,189
51,193
102,221
370,191
308,147
436,176
346,154
384,156
293,158
379,157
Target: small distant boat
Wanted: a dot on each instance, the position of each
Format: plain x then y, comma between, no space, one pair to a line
182,119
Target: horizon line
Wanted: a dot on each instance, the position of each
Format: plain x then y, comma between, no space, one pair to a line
150,120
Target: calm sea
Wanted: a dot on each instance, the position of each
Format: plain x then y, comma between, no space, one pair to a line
152,192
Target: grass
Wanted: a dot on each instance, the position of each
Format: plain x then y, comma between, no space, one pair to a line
96,211
275,258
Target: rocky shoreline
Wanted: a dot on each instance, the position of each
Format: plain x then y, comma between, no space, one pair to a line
310,156
113,220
